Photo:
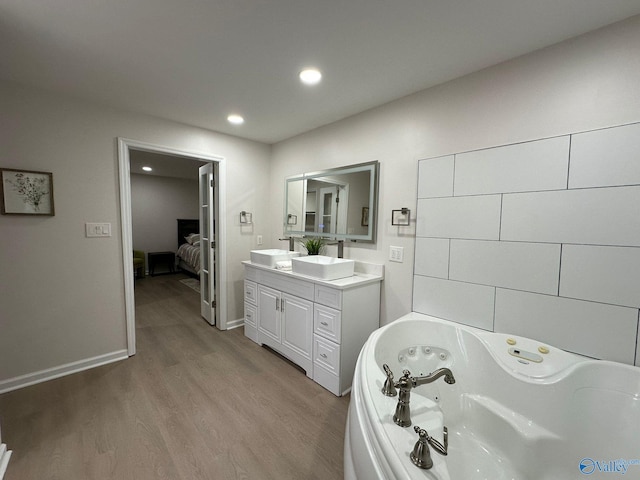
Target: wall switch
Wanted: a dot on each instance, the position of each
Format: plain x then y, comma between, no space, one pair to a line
396,254
259,240
97,229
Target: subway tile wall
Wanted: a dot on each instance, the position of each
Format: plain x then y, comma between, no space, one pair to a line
539,239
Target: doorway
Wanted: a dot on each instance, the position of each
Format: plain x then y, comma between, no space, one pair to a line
125,146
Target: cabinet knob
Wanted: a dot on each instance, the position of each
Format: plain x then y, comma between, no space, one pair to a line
324,323
323,355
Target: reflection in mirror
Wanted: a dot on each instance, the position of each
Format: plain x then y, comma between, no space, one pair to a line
339,203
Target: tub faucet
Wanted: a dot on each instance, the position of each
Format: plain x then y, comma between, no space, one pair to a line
402,416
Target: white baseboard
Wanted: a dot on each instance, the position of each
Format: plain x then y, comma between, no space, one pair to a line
235,323
60,371
4,459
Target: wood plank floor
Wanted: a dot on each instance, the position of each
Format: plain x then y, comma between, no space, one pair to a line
193,403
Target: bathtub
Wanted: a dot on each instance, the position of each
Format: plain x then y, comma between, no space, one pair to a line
509,415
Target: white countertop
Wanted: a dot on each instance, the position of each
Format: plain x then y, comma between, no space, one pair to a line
364,273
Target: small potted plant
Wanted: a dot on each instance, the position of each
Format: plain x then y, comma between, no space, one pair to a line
313,245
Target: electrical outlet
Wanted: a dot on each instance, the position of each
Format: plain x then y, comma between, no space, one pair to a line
396,254
259,240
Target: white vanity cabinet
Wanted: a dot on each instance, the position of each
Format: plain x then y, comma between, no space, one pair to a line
319,325
285,323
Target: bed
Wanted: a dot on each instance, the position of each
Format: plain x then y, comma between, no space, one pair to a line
188,254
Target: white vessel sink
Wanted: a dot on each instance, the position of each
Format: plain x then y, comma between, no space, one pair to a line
269,257
324,268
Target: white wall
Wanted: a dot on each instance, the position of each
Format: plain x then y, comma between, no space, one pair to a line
156,204
582,84
61,294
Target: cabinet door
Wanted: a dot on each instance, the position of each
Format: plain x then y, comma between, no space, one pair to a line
269,312
297,325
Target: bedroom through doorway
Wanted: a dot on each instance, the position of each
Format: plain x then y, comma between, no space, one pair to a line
167,223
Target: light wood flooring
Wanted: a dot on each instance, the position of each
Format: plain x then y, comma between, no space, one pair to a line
193,403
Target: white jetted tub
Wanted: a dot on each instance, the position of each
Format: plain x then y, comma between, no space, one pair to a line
518,409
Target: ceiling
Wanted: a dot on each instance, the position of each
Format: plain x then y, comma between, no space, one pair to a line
164,165
196,61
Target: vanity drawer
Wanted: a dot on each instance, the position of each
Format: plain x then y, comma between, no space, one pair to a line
250,314
326,355
331,297
250,291
250,319
327,322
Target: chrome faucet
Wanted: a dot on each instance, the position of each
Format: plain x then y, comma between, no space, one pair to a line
402,416
291,243
340,244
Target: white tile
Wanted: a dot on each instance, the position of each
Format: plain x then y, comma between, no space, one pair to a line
524,167
435,177
605,157
602,331
459,217
432,257
456,301
596,216
533,267
601,274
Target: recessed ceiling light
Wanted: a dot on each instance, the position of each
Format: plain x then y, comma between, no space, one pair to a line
310,76
235,119
147,169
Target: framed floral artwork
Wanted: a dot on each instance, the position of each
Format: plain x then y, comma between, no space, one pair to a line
25,192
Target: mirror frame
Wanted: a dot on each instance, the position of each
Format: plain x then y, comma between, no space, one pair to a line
370,237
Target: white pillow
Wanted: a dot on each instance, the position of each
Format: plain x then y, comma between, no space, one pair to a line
191,239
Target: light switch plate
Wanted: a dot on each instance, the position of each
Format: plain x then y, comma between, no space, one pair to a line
396,254
93,230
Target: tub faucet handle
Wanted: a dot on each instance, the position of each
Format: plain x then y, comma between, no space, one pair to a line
441,449
388,389
421,456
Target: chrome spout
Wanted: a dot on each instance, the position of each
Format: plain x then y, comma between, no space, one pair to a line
432,377
340,244
291,243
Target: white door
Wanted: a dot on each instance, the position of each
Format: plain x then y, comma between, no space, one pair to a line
207,243
332,209
327,210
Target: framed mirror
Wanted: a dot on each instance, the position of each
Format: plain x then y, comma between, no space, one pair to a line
340,203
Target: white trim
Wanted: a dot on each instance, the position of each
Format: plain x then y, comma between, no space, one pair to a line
124,145
235,324
60,371
5,455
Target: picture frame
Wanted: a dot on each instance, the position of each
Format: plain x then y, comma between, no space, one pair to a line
365,217
26,192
